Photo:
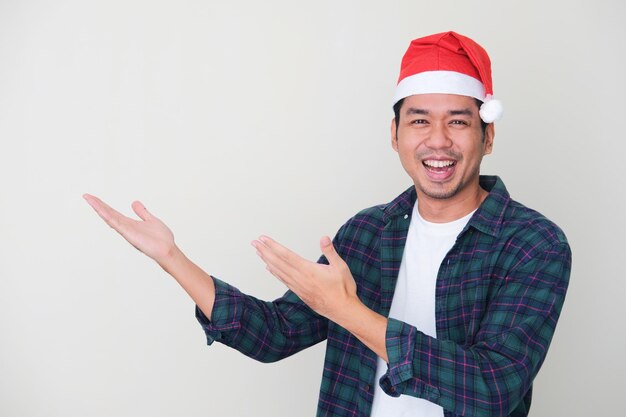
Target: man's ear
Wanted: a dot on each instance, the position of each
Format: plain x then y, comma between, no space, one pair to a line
490,133
394,135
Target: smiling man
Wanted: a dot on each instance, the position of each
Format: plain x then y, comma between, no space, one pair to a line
441,302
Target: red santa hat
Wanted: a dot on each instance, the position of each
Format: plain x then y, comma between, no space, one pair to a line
449,63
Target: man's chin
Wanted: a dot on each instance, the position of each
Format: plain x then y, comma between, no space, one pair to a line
441,191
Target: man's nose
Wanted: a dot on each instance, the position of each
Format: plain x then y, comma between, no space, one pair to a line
439,137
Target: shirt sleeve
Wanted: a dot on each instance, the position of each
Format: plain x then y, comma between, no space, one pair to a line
265,331
490,376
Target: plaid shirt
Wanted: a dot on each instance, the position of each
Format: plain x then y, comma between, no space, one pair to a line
499,293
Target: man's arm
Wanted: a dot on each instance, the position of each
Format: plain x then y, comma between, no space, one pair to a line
491,375
265,331
152,237
488,377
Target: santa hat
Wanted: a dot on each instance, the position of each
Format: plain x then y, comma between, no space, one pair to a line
448,63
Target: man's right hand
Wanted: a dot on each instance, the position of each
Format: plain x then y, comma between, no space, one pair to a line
149,235
152,237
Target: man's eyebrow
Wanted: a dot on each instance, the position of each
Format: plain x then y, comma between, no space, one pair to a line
413,110
461,112
424,112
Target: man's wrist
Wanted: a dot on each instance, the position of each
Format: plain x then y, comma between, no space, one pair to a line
172,261
346,311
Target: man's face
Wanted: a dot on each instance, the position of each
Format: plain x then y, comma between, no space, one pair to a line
441,144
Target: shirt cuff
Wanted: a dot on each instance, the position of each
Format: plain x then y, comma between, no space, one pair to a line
401,340
226,314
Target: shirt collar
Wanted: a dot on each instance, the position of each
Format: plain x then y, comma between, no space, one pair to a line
401,205
490,214
487,218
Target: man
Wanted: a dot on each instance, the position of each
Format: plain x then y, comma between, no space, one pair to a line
441,302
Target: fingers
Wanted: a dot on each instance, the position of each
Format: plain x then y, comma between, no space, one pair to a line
112,217
106,212
279,249
280,261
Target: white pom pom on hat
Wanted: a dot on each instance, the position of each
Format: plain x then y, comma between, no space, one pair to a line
491,110
449,63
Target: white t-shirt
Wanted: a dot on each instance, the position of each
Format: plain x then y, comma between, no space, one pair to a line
414,302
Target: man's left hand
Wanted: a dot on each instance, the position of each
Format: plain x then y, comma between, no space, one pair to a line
324,288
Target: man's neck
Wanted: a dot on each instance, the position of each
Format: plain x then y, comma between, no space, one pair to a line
449,209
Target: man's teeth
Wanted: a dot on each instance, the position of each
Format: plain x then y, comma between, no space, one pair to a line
438,164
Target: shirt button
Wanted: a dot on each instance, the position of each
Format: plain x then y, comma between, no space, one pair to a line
366,388
406,216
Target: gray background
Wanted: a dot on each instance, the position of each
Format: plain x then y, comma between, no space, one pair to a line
231,119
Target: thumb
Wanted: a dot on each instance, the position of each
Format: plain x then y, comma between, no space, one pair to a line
141,211
328,249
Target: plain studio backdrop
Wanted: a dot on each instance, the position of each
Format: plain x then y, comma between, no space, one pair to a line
234,118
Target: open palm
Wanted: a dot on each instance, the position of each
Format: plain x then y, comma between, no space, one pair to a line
149,235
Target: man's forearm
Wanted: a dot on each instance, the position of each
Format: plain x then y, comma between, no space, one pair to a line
365,324
197,283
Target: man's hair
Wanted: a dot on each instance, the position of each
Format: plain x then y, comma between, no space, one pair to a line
398,106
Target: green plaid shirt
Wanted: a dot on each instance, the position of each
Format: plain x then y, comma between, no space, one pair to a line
499,293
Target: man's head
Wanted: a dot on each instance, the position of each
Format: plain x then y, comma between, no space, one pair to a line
441,142
444,115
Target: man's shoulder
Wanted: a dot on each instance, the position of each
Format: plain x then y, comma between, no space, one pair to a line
369,220
521,220
517,236
507,218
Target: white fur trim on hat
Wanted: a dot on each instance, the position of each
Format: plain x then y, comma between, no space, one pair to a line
439,82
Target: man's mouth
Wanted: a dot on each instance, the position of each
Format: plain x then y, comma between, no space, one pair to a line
438,165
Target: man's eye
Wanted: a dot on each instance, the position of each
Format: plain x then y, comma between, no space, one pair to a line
459,122
419,122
